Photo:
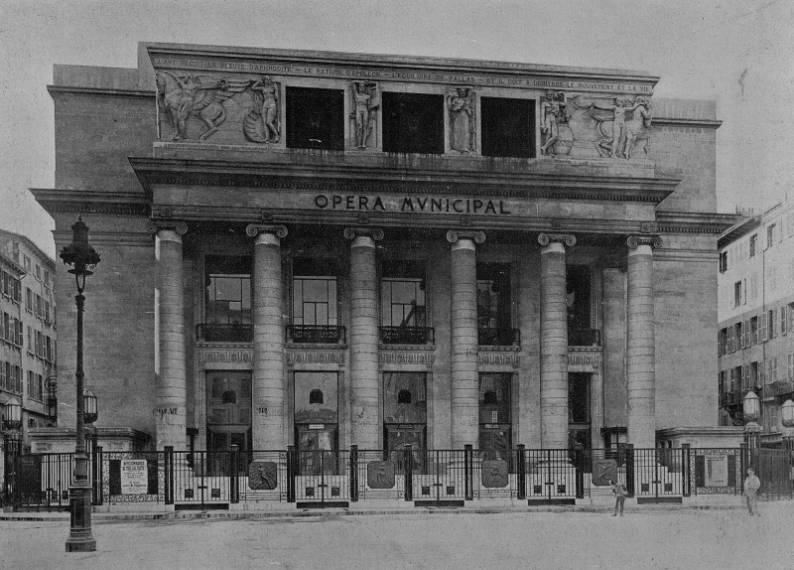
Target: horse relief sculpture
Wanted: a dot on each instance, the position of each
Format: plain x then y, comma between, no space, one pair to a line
180,97
621,125
462,134
366,101
262,124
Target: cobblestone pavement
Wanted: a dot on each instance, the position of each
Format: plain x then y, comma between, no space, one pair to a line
643,539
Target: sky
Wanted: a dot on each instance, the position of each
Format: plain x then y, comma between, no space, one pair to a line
737,52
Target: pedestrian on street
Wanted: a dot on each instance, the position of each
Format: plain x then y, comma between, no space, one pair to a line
619,489
751,485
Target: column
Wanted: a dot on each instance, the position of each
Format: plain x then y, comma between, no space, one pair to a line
553,341
364,381
171,384
464,345
640,353
268,384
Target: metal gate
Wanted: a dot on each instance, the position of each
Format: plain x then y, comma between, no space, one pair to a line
775,469
321,478
441,477
551,477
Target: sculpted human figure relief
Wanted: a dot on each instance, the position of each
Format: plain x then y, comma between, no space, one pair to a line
263,124
460,103
553,113
185,96
366,101
625,128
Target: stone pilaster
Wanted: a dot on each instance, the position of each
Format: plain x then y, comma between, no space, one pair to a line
364,380
554,340
170,388
268,385
464,344
640,357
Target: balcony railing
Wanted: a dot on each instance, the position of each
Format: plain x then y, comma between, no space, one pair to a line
316,334
584,337
498,337
407,335
208,332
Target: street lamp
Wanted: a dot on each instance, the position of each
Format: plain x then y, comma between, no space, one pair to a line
83,258
12,420
751,408
787,418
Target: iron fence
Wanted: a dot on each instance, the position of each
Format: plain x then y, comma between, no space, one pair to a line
323,478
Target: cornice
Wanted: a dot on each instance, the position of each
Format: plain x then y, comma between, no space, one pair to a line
323,177
694,222
701,123
358,60
56,200
69,89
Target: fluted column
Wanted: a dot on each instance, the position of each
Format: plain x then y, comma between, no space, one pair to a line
364,379
171,386
553,341
641,357
268,386
463,366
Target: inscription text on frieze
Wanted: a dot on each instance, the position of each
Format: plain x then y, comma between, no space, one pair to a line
413,205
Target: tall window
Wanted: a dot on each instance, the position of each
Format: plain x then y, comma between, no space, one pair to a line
723,262
494,307
495,411
753,244
313,292
403,294
737,294
228,282
770,235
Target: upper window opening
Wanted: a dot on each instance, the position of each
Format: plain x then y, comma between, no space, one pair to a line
404,397
315,118
413,122
316,397
508,127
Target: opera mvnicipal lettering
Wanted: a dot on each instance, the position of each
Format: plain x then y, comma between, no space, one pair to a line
413,205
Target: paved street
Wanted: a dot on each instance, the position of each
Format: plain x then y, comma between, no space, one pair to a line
649,539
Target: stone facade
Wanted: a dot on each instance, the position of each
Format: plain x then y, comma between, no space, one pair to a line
322,250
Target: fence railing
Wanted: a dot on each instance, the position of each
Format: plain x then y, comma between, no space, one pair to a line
316,478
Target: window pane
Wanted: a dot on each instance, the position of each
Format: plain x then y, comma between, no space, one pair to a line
315,290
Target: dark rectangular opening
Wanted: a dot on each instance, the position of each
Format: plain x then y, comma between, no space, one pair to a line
413,122
315,118
508,127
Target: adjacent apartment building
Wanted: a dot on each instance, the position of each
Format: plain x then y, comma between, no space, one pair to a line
755,341
27,330
326,249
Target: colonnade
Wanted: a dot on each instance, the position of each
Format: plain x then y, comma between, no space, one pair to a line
269,384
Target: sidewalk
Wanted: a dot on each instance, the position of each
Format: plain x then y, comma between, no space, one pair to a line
594,505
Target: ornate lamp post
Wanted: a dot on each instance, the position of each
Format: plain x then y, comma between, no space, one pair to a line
51,385
82,257
751,407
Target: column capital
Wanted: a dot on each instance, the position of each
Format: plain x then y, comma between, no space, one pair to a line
354,232
153,227
475,235
636,241
253,230
545,239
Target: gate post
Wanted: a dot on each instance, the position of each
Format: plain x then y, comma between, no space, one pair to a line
354,473
408,460
468,468
234,493
630,469
168,461
743,460
98,498
291,460
578,464
685,480
521,475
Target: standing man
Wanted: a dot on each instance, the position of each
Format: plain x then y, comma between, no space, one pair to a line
751,485
619,489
